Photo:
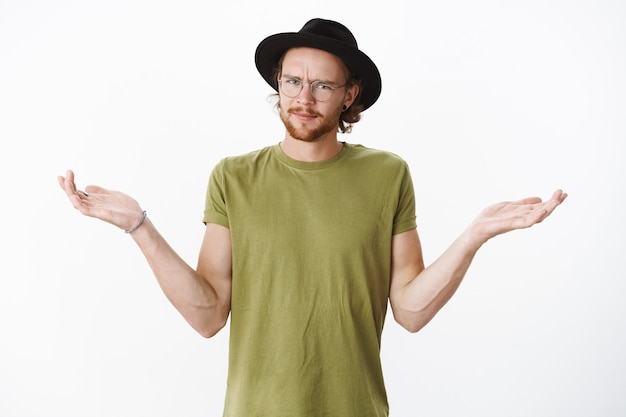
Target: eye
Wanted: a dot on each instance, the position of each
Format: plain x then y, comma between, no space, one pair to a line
292,81
321,86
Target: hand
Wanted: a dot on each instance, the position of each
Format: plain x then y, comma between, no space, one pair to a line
511,215
110,206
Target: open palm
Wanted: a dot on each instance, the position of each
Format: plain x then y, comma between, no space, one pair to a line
511,215
110,206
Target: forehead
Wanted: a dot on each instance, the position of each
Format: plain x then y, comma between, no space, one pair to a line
314,63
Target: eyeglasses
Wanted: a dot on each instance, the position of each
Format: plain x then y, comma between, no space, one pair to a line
321,91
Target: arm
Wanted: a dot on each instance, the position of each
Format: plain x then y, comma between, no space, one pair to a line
202,296
418,293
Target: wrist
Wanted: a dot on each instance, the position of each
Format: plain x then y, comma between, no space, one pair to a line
137,224
472,238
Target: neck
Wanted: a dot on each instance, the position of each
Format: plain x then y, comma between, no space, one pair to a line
315,151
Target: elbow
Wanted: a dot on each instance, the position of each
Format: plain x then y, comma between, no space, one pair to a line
410,326
208,332
212,327
412,323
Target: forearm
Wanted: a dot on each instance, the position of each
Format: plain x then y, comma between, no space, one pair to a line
424,294
190,293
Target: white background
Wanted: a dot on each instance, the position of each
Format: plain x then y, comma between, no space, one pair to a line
486,100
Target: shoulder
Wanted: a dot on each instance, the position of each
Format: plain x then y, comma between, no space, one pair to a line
379,158
247,158
243,161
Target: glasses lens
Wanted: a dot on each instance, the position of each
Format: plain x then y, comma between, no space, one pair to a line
321,91
290,87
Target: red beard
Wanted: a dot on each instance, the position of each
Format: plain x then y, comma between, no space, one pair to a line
327,124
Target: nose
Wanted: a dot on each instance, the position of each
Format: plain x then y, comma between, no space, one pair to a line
305,95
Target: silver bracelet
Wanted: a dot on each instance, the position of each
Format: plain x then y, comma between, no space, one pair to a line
138,224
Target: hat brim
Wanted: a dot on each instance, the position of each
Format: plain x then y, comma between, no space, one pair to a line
272,48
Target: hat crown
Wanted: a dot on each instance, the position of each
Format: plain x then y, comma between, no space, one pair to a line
329,29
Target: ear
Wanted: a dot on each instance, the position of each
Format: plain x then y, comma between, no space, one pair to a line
351,94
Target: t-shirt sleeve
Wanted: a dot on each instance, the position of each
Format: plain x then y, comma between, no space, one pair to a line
405,218
215,206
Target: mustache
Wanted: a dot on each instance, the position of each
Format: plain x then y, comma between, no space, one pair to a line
303,110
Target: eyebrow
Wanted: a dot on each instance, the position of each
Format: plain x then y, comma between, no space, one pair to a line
300,79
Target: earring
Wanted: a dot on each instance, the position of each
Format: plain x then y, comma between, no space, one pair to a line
344,108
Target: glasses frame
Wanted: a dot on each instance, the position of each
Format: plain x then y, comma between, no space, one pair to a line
312,87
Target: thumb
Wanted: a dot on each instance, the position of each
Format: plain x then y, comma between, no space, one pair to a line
96,189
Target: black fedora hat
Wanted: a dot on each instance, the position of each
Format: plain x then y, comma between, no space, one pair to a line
329,36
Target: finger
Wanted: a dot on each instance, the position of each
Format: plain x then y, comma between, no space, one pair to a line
536,218
527,200
94,189
550,205
68,185
559,196
531,218
73,194
72,186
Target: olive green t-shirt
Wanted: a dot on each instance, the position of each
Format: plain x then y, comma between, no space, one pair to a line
311,254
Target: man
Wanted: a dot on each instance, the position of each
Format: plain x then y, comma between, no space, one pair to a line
307,240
